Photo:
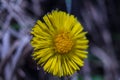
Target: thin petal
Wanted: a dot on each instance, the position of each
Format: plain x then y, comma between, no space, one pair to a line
73,64
42,25
69,22
49,23
55,72
80,36
81,47
76,29
53,64
66,67
42,53
48,64
71,69
82,42
77,60
60,73
46,57
37,31
81,55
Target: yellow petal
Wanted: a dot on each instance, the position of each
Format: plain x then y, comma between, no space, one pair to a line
73,64
81,47
69,22
60,72
46,57
76,29
70,67
41,53
66,67
80,36
38,31
48,64
53,66
37,44
81,54
48,21
82,42
42,25
55,71
77,60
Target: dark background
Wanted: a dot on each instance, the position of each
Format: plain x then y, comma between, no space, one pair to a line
100,18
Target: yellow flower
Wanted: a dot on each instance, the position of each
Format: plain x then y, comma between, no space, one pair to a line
59,43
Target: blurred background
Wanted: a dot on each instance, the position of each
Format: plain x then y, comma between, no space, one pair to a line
100,18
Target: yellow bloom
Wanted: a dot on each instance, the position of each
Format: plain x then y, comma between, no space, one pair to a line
59,43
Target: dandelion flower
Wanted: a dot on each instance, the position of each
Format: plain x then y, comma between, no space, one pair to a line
59,43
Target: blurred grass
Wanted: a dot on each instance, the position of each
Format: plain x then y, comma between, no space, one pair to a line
97,77
15,26
68,5
94,77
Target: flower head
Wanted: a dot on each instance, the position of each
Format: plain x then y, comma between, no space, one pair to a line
59,43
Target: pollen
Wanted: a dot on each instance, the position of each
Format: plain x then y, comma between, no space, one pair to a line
63,43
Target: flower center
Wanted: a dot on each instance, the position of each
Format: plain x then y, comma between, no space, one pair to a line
63,43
